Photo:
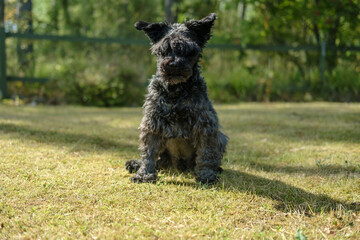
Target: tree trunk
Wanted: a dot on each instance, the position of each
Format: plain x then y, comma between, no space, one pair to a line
331,57
171,11
242,10
25,25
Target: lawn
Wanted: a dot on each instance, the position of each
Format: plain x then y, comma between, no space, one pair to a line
290,170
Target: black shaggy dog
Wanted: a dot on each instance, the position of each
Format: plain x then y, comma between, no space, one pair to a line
180,127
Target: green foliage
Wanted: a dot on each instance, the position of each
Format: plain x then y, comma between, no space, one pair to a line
239,76
234,85
343,85
112,80
110,75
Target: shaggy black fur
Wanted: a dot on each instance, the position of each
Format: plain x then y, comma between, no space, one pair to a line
180,127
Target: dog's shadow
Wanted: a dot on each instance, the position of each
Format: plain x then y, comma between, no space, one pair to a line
288,198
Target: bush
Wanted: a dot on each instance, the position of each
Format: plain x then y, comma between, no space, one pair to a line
118,83
112,75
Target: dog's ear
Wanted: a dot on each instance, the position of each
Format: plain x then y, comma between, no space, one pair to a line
155,31
202,28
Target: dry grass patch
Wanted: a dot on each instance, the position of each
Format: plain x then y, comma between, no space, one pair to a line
289,167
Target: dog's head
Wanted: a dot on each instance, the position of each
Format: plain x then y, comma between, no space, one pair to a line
177,46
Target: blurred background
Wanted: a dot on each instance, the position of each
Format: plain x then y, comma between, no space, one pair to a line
261,50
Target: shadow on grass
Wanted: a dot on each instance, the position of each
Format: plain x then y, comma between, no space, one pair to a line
82,141
289,198
321,170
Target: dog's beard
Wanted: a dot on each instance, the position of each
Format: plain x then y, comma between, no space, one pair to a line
175,77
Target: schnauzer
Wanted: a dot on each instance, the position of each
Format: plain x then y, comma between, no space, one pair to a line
180,127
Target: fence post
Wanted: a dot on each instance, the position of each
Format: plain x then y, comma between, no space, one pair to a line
3,90
322,63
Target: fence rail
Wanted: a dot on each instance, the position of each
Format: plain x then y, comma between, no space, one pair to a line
136,42
69,38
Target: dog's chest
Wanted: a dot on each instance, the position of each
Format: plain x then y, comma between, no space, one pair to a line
175,118
174,111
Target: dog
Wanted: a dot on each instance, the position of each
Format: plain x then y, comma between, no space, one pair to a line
180,127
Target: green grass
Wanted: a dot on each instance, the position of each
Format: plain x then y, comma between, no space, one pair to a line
289,167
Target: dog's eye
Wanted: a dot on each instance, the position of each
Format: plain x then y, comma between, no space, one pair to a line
191,54
185,53
163,49
163,53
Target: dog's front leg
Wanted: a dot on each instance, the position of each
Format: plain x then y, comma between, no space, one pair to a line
208,159
151,146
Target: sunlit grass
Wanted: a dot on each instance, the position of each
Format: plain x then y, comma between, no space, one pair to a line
288,167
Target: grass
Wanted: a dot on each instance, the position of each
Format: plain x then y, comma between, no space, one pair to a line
290,170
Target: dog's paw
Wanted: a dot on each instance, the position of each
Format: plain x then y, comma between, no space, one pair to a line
206,176
219,170
132,165
144,178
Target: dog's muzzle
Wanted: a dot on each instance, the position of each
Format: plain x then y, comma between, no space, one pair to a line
175,71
